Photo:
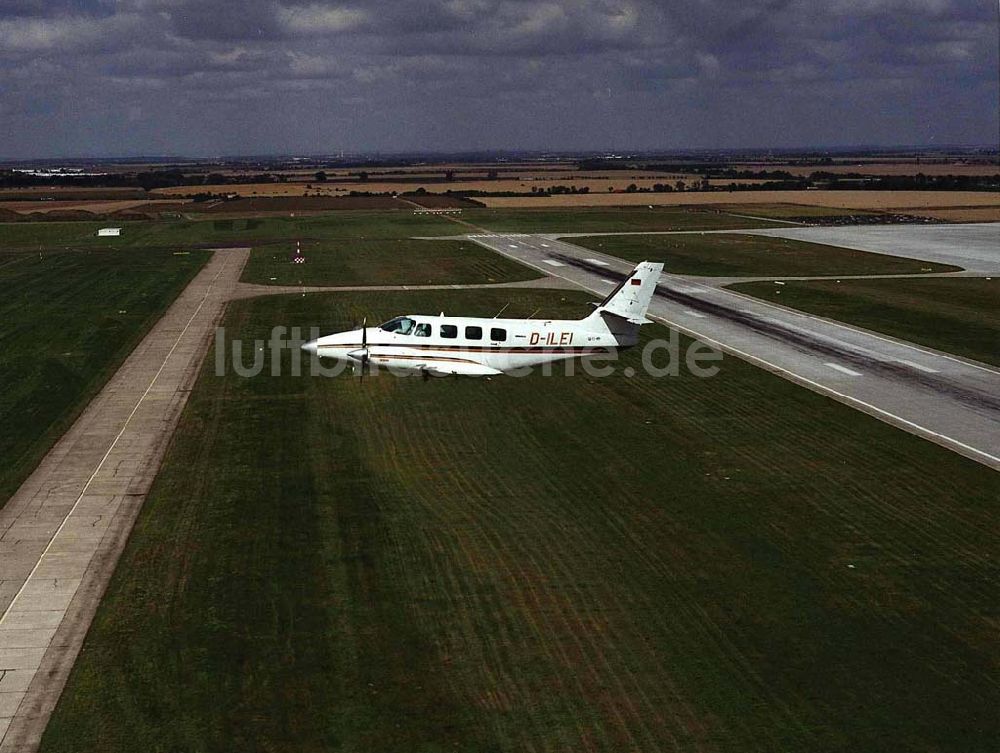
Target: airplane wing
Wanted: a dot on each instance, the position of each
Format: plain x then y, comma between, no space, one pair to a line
459,369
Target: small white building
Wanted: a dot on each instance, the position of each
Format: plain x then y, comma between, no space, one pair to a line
109,231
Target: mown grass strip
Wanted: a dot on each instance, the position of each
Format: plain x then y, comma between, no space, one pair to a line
69,320
735,255
382,262
184,233
959,315
563,563
608,220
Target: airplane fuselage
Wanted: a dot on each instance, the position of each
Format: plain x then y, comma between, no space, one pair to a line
479,347
466,345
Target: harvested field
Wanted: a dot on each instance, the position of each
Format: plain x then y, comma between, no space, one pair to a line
882,168
547,564
91,211
443,202
296,204
873,200
71,193
963,214
87,205
784,211
284,204
618,181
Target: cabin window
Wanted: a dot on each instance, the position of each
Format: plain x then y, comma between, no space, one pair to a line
422,330
401,325
498,335
473,333
449,331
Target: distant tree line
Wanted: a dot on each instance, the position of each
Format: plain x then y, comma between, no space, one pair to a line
918,182
147,179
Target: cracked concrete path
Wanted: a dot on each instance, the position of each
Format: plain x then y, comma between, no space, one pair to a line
62,531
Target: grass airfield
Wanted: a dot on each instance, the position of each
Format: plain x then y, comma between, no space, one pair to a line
734,255
551,564
254,230
69,320
608,220
242,231
383,261
540,563
955,315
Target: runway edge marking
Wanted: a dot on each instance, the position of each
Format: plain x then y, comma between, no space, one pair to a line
973,453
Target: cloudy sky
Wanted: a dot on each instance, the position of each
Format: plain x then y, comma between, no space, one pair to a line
211,77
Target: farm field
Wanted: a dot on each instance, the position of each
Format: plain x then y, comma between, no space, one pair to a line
69,320
846,199
382,262
91,205
616,180
607,220
959,315
963,214
80,193
735,255
781,211
871,167
560,564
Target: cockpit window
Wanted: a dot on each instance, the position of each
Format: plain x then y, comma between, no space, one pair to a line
400,325
423,330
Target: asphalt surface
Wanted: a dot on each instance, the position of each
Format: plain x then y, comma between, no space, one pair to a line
943,398
975,247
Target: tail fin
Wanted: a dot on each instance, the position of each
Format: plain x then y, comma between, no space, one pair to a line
630,300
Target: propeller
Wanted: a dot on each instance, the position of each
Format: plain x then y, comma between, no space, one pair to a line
362,355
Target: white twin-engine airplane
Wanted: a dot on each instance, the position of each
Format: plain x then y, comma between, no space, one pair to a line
440,345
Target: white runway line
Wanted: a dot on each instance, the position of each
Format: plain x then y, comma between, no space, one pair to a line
545,245
512,245
695,314
598,262
607,282
553,263
866,407
918,366
842,369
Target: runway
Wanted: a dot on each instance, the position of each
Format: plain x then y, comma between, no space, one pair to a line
940,397
975,247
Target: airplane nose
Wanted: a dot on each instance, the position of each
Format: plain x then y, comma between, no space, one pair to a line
309,347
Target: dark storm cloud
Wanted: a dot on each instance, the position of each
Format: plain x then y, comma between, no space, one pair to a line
106,76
